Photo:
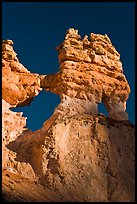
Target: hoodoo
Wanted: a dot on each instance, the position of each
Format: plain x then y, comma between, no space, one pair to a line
78,154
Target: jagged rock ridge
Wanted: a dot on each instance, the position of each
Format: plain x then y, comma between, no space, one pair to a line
90,70
78,154
19,86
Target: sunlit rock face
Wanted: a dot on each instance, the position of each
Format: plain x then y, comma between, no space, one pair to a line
19,86
78,155
90,70
89,158
13,125
82,157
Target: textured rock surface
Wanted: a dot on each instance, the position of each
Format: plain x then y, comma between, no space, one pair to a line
78,154
90,69
17,188
83,157
19,86
13,125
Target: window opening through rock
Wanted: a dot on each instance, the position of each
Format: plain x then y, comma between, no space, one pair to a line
102,109
41,108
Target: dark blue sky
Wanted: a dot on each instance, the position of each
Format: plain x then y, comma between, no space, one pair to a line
36,28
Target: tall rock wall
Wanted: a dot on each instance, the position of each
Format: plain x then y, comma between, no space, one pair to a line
78,154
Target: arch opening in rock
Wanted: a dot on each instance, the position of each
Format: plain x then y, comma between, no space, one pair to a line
102,109
40,109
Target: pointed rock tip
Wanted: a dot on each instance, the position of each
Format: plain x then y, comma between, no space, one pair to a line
9,42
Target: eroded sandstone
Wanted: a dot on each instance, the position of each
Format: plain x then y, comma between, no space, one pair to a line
13,125
83,157
90,70
19,86
78,154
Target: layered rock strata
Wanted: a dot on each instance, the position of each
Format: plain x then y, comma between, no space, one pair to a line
19,86
78,154
90,70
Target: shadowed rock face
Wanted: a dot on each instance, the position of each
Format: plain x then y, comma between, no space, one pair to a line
82,157
78,154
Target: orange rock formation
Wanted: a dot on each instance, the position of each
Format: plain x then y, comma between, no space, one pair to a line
90,70
78,154
19,86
